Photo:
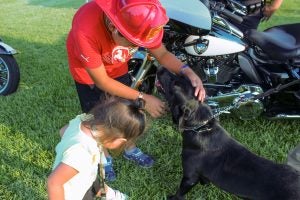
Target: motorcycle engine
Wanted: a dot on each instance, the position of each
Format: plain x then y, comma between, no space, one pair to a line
241,102
215,69
211,69
221,78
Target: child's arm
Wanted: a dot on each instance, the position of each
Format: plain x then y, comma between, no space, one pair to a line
57,179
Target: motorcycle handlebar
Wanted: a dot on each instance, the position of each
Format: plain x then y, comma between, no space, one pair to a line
232,16
220,8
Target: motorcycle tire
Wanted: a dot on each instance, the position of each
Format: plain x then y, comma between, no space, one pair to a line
9,74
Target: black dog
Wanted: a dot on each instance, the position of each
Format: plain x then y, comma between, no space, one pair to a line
209,154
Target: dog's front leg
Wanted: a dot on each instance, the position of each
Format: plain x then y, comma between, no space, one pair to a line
185,186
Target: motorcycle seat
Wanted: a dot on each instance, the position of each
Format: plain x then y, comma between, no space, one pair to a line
280,43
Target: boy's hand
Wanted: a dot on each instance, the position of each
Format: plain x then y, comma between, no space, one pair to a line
154,106
197,84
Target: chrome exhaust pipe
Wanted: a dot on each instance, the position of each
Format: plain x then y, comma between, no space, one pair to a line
284,116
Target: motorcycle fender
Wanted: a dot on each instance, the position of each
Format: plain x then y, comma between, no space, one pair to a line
248,68
191,12
216,46
6,49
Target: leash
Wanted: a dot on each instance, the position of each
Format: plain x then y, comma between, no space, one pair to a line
101,176
276,89
218,111
199,128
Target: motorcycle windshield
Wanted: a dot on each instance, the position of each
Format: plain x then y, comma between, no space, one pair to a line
192,12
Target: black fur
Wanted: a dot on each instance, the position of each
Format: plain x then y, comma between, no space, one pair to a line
211,155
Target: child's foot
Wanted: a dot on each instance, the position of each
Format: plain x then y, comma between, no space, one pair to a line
110,174
112,194
139,157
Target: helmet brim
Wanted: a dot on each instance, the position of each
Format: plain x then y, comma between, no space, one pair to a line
109,8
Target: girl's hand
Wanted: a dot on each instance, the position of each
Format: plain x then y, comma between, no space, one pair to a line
154,106
197,84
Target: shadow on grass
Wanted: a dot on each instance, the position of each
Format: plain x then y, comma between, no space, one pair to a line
31,117
22,178
58,3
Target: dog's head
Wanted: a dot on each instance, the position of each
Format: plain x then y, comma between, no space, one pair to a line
186,110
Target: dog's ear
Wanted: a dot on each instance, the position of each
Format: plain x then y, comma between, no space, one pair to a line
188,109
190,106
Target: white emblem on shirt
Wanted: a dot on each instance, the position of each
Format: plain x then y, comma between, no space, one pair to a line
119,55
85,58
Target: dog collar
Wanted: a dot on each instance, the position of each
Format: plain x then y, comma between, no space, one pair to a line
200,128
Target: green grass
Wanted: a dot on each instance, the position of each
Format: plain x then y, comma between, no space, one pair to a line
46,100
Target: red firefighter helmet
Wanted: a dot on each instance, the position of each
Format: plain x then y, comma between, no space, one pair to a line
139,21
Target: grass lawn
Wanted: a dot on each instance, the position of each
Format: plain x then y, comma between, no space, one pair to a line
46,100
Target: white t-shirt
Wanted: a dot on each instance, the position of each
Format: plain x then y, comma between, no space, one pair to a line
80,152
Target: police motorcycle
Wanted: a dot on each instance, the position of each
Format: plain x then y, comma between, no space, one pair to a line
9,70
249,74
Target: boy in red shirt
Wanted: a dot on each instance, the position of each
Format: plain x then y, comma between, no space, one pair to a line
104,36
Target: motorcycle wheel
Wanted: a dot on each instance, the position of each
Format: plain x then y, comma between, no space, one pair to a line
9,74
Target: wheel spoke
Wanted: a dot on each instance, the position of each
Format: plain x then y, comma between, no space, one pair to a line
3,79
3,74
